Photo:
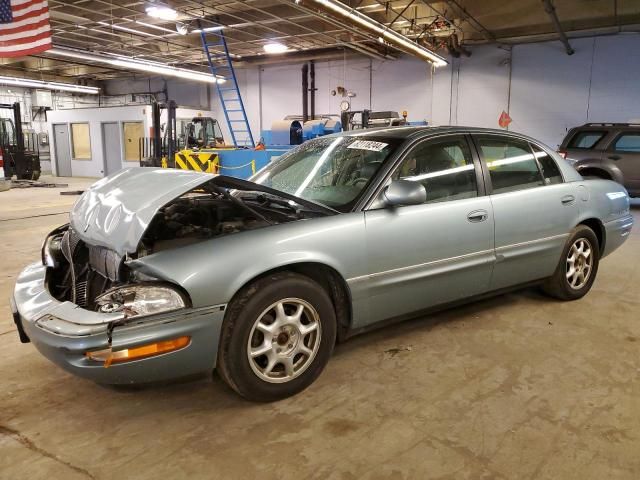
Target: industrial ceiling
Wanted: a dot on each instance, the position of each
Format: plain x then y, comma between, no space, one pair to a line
307,29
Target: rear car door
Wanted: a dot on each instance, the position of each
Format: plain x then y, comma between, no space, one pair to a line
534,209
624,152
436,252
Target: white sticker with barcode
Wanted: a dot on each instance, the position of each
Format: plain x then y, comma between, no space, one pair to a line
368,145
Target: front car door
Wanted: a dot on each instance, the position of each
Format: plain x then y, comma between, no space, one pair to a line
534,209
624,154
424,255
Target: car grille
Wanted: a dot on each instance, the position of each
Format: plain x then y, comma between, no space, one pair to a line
90,271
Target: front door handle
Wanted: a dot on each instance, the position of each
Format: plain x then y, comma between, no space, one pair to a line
614,157
478,216
568,200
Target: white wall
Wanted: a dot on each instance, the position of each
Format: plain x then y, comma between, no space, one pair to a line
549,91
544,90
403,84
94,117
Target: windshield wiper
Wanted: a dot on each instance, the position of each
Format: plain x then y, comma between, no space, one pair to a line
239,202
264,199
239,184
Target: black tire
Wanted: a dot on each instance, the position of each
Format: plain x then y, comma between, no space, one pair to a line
558,285
246,309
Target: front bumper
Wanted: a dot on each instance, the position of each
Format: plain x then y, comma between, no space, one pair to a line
64,332
616,233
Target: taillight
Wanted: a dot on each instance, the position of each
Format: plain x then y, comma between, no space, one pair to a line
1,159
562,154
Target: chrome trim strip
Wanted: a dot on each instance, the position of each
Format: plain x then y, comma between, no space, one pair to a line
531,242
450,259
419,265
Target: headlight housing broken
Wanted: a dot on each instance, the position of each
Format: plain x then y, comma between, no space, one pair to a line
141,300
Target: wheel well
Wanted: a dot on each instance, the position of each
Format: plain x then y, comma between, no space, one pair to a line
597,227
595,172
329,279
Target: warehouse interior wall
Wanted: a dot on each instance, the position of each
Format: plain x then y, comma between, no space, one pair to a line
544,91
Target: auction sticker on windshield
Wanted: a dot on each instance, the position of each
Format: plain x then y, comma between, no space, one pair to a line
368,145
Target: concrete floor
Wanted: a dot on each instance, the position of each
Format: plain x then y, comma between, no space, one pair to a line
519,386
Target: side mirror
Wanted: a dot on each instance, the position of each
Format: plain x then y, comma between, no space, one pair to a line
404,192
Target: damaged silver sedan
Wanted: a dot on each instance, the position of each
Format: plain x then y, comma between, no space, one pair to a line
166,273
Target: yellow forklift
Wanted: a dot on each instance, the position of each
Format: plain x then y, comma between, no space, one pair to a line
195,141
182,144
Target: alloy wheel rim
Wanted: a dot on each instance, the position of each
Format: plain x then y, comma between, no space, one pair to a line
284,340
579,263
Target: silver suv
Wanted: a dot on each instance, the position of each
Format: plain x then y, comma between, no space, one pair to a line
606,150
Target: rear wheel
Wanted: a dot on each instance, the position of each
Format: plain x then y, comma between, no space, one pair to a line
277,337
578,266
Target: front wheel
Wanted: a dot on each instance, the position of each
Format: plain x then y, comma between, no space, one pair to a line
578,266
277,337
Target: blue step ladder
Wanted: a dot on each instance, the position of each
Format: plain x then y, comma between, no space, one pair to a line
220,65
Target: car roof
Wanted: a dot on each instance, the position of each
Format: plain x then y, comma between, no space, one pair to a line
589,127
416,132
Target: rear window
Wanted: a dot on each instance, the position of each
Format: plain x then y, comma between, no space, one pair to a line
586,139
550,170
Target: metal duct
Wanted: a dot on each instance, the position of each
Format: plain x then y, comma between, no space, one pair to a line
305,92
312,103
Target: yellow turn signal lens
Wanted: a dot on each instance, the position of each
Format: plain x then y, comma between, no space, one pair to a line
109,356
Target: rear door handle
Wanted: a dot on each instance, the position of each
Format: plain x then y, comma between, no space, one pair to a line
478,216
568,199
614,157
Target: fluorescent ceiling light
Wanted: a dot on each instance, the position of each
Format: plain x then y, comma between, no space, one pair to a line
140,65
389,35
275,47
125,29
65,87
162,11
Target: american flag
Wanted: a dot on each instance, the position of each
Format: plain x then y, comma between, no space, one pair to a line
24,27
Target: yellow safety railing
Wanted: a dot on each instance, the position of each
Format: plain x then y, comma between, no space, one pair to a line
252,163
214,166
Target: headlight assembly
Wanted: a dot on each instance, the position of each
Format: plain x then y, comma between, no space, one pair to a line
141,300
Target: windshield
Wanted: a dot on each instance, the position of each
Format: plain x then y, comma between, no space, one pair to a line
333,171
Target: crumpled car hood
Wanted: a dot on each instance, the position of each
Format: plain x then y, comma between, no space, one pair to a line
115,211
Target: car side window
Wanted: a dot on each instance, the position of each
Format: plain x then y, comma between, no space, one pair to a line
586,139
628,142
444,167
550,169
511,164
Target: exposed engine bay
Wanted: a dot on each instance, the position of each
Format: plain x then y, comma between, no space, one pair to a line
192,218
81,273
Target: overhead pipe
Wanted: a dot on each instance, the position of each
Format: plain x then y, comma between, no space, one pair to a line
305,92
312,102
551,11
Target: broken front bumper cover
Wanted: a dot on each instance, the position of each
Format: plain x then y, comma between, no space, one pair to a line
64,333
